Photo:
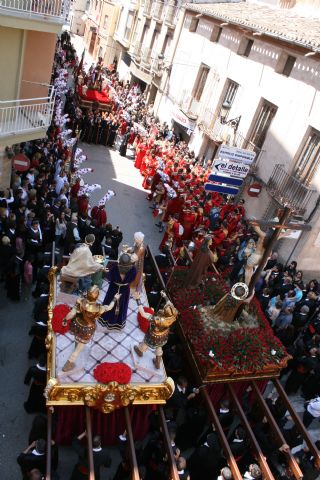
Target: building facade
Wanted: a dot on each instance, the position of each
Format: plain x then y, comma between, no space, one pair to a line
28,34
243,76
102,18
78,16
146,32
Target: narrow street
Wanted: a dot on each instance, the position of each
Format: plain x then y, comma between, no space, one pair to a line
131,212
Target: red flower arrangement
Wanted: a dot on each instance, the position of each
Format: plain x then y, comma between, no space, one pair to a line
112,372
59,313
241,350
143,322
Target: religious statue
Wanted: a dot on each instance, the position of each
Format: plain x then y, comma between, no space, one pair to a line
254,259
82,264
160,323
83,318
138,252
202,261
120,277
226,309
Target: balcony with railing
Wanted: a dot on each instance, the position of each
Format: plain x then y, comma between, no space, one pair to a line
51,11
224,132
27,116
171,15
157,11
147,8
189,105
288,191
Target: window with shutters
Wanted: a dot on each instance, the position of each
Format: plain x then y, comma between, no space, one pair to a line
200,82
229,96
308,160
263,119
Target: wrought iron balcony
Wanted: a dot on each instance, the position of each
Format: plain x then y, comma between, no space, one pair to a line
224,132
189,105
157,11
54,11
29,115
171,15
288,190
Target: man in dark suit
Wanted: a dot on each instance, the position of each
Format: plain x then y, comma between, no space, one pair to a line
182,398
100,458
238,445
33,457
205,460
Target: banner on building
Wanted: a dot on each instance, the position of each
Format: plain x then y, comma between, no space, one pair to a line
236,154
181,118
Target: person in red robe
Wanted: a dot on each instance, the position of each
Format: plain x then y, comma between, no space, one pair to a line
188,220
140,154
83,204
123,127
99,214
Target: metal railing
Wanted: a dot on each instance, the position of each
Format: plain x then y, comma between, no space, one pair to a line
189,104
147,8
26,115
224,133
171,14
157,10
288,191
52,10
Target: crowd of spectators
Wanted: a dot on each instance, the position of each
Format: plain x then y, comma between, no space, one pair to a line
45,214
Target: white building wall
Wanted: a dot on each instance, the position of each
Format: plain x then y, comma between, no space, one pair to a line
78,19
297,98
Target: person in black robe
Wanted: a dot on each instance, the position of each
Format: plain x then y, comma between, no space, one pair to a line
38,374
14,278
38,428
7,251
112,133
100,458
116,238
104,130
124,143
33,457
39,332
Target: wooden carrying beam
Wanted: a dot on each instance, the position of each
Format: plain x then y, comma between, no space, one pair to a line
167,442
49,443
298,422
89,440
223,439
266,472
132,451
279,438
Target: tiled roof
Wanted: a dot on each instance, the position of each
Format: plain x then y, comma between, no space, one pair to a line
278,23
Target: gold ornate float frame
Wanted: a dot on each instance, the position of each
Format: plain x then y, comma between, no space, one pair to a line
105,397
